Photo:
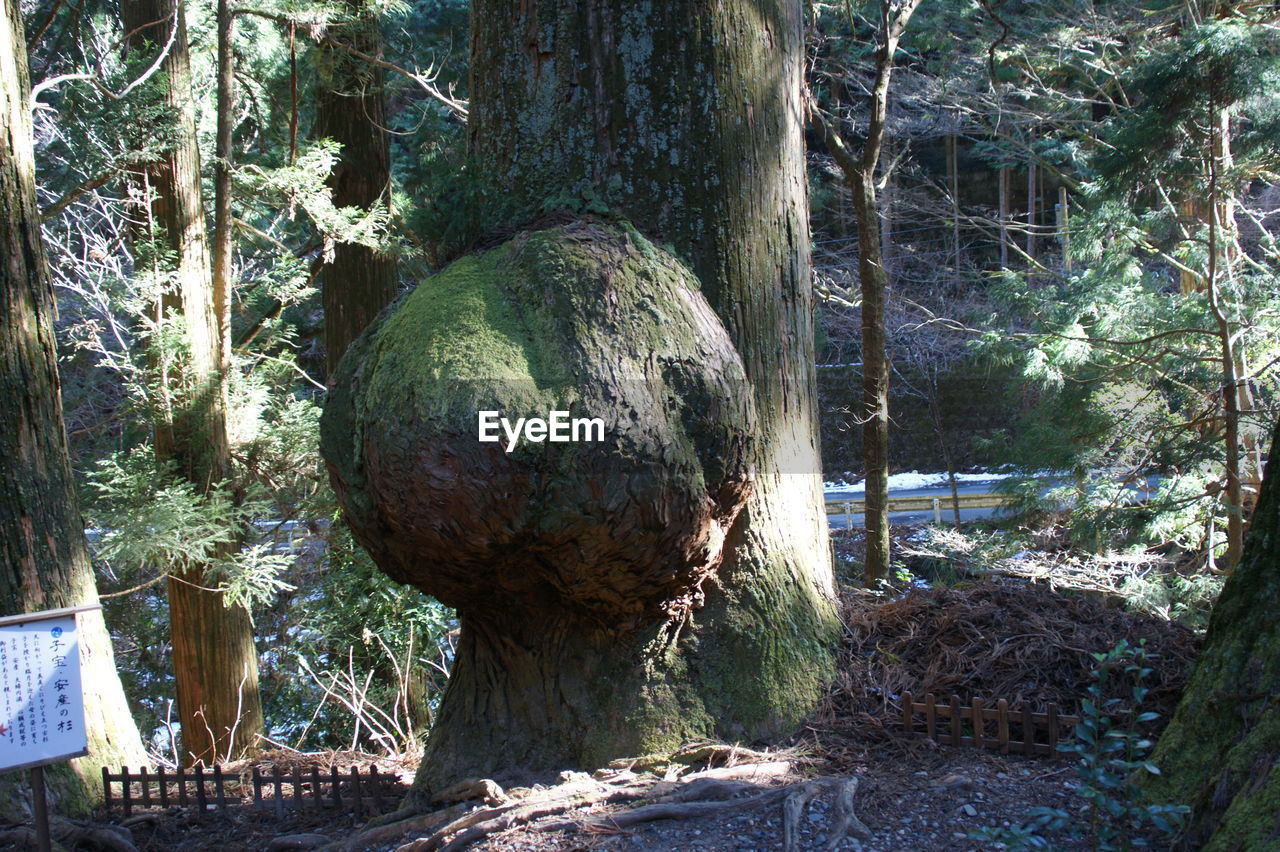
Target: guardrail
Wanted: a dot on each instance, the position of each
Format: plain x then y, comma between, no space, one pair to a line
850,507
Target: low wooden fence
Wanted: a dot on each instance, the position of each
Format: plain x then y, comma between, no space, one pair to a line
937,505
366,793
968,724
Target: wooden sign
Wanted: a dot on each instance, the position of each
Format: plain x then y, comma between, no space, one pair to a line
41,705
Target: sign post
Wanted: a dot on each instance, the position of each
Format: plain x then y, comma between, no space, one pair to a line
41,703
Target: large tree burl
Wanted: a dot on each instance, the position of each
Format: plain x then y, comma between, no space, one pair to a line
587,318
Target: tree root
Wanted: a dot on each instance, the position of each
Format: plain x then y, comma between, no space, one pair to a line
481,823
72,834
697,797
846,821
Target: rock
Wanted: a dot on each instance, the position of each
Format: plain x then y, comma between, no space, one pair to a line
297,841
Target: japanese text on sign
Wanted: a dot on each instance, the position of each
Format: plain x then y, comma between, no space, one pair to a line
41,709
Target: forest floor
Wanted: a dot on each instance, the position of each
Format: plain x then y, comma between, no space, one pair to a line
989,637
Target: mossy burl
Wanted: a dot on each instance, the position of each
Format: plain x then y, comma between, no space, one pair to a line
586,318
535,686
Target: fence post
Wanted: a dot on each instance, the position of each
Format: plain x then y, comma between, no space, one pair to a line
1028,731
275,778
218,787
1002,725
125,792
908,713
937,511
375,781
202,803
335,782
106,788
355,789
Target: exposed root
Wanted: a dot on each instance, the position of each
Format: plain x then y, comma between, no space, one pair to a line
847,821
490,792
758,772
479,824
798,797
690,799
388,832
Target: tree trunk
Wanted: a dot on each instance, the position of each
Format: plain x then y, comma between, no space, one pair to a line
43,561
683,118
875,381
953,182
1221,751
1221,255
350,109
859,173
1002,189
214,659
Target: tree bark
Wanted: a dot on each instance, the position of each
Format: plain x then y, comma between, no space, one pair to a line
214,658
1221,751
682,117
350,109
43,560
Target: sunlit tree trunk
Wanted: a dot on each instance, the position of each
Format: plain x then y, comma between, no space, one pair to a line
214,659
350,109
683,117
43,561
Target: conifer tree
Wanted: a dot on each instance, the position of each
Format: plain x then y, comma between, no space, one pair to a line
43,560
214,658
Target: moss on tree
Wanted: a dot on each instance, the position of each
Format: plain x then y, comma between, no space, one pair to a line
1221,752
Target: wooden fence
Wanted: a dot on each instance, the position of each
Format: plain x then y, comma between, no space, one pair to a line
959,724
365,793
937,505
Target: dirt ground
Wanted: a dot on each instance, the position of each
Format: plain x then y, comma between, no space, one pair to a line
928,799
992,638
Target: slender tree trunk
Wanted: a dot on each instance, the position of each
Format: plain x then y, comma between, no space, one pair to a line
1002,189
43,561
953,180
350,109
875,383
1221,246
222,167
683,118
1031,209
214,658
859,173
886,206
